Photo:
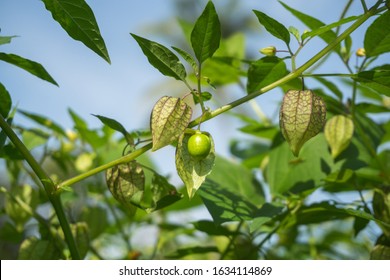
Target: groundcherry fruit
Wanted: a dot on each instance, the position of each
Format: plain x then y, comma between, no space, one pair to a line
199,145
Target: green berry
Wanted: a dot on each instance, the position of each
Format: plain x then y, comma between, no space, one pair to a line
199,145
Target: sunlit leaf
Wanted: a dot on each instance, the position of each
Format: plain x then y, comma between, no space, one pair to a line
206,34
264,72
377,37
30,66
161,58
78,20
273,26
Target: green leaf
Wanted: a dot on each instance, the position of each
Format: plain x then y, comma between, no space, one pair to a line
78,20
237,179
211,228
377,78
377,37
163,193
326,28
225,65
274,27
96,218
224,204
183,252
331,86
206,34
160,57
30,66
17,196
205,97
117,126
287,173
265,214
5,101
325,211
193,172
6,39
264,72
187,57
88,135
312,23
34,138
294,31
33,248
371,108
169,119
51,125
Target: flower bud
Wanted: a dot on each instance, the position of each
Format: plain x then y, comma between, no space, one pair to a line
268,51
361,52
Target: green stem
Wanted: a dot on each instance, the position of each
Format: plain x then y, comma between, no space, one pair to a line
121,160
231,242
47,184
328,75
205,117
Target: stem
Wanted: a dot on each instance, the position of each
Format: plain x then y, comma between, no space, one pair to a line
328,75
291,75
124,159
47,184
205,117
227,249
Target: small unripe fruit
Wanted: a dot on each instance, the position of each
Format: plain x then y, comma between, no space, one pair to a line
199,145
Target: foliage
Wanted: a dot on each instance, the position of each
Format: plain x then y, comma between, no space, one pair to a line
265,202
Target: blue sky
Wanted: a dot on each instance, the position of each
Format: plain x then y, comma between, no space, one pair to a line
127,89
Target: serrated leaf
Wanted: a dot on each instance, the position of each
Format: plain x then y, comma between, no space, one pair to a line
193,172
51,125
30,66
377,37
206,34
264,72
273,26
126,182
321,30
160,57
170,117
5,101
377,78
78,20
